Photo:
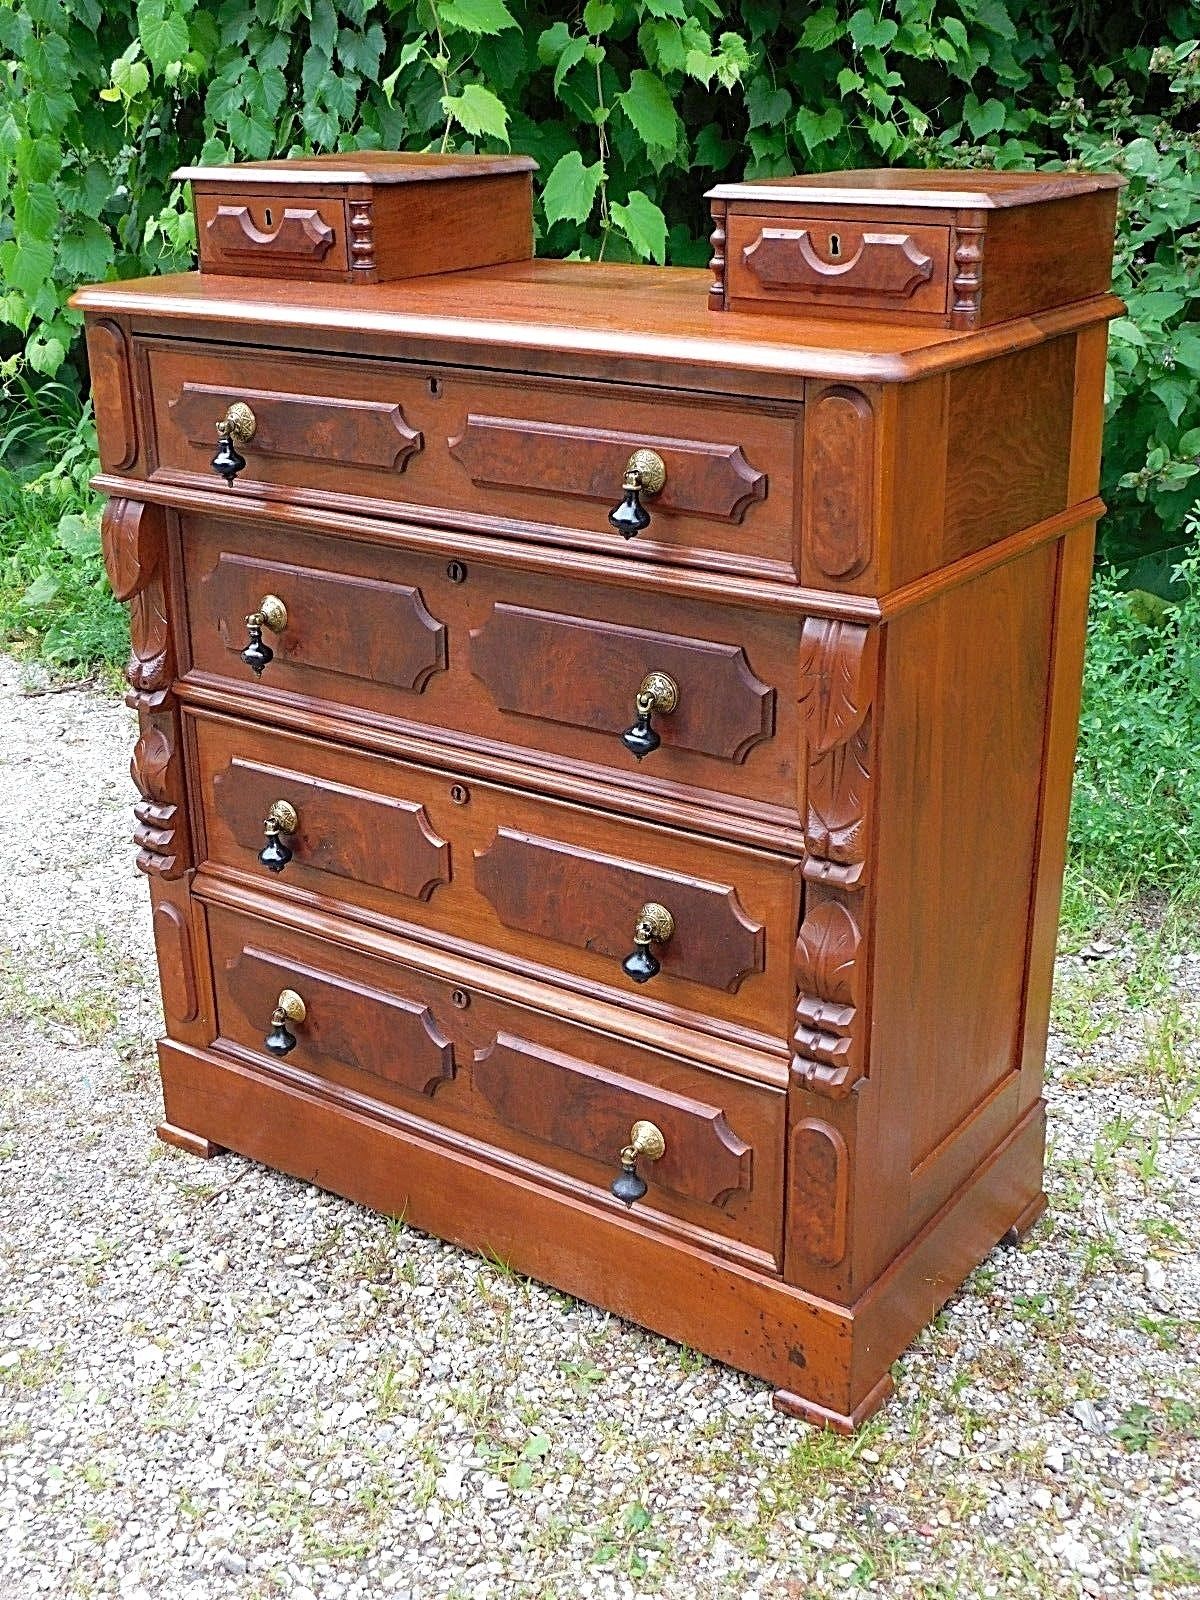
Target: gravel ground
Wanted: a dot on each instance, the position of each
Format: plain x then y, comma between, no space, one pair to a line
218,1382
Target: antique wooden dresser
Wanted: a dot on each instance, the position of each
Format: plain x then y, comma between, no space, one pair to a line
606,732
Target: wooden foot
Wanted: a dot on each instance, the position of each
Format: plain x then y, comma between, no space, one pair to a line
794,1405
1024,1222
193,1143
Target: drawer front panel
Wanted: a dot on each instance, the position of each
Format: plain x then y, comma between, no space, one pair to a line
542,460
859,265
516,661
557,888
558,1097
294,235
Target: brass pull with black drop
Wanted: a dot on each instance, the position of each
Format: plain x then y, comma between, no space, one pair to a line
236,427
288,1008
655,925
271,613
659,693
646,1141
280,819
645,474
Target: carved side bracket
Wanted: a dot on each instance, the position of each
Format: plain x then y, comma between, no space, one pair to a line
838,663
134,537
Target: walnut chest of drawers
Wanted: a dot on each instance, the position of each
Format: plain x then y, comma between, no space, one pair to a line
411,829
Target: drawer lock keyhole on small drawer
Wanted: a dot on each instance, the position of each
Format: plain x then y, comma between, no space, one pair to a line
280,819
646,1141
835,246
657,692
645,474
236,427
271,613
288,1008
654,925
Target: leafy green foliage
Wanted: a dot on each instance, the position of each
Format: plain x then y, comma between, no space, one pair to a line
1137,779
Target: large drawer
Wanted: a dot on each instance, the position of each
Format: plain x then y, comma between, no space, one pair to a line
498,452
556,888
510,664
557,1099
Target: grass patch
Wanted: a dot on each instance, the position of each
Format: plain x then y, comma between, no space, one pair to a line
1137,777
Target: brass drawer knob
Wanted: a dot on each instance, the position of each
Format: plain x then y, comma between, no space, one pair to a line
658,692
271,613
645,474
655,925
236,427
288,1008
280,819
646,1141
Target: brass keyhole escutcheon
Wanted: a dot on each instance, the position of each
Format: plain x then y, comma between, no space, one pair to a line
835,245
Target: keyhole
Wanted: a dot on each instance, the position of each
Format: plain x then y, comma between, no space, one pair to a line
835,245
435,387
269,216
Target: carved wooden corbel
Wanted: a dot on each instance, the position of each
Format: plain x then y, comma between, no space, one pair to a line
134,539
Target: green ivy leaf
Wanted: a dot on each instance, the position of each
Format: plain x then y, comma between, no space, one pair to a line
45,355
478,110
131,78
476,16
36,211
820,129
767,107
649,107
598,16
866,29
570,191
572,54
86,252
27,264
983,119
164,34
643,224
323,30
322,127
251,134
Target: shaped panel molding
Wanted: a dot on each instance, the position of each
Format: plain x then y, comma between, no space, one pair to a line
343,831
587,1110
356,627
590,901
819,1169
322,428
381,1035
724,710
709,478
839,501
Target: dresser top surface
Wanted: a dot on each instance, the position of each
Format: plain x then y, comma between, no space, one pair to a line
938,189
635,314
375,167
